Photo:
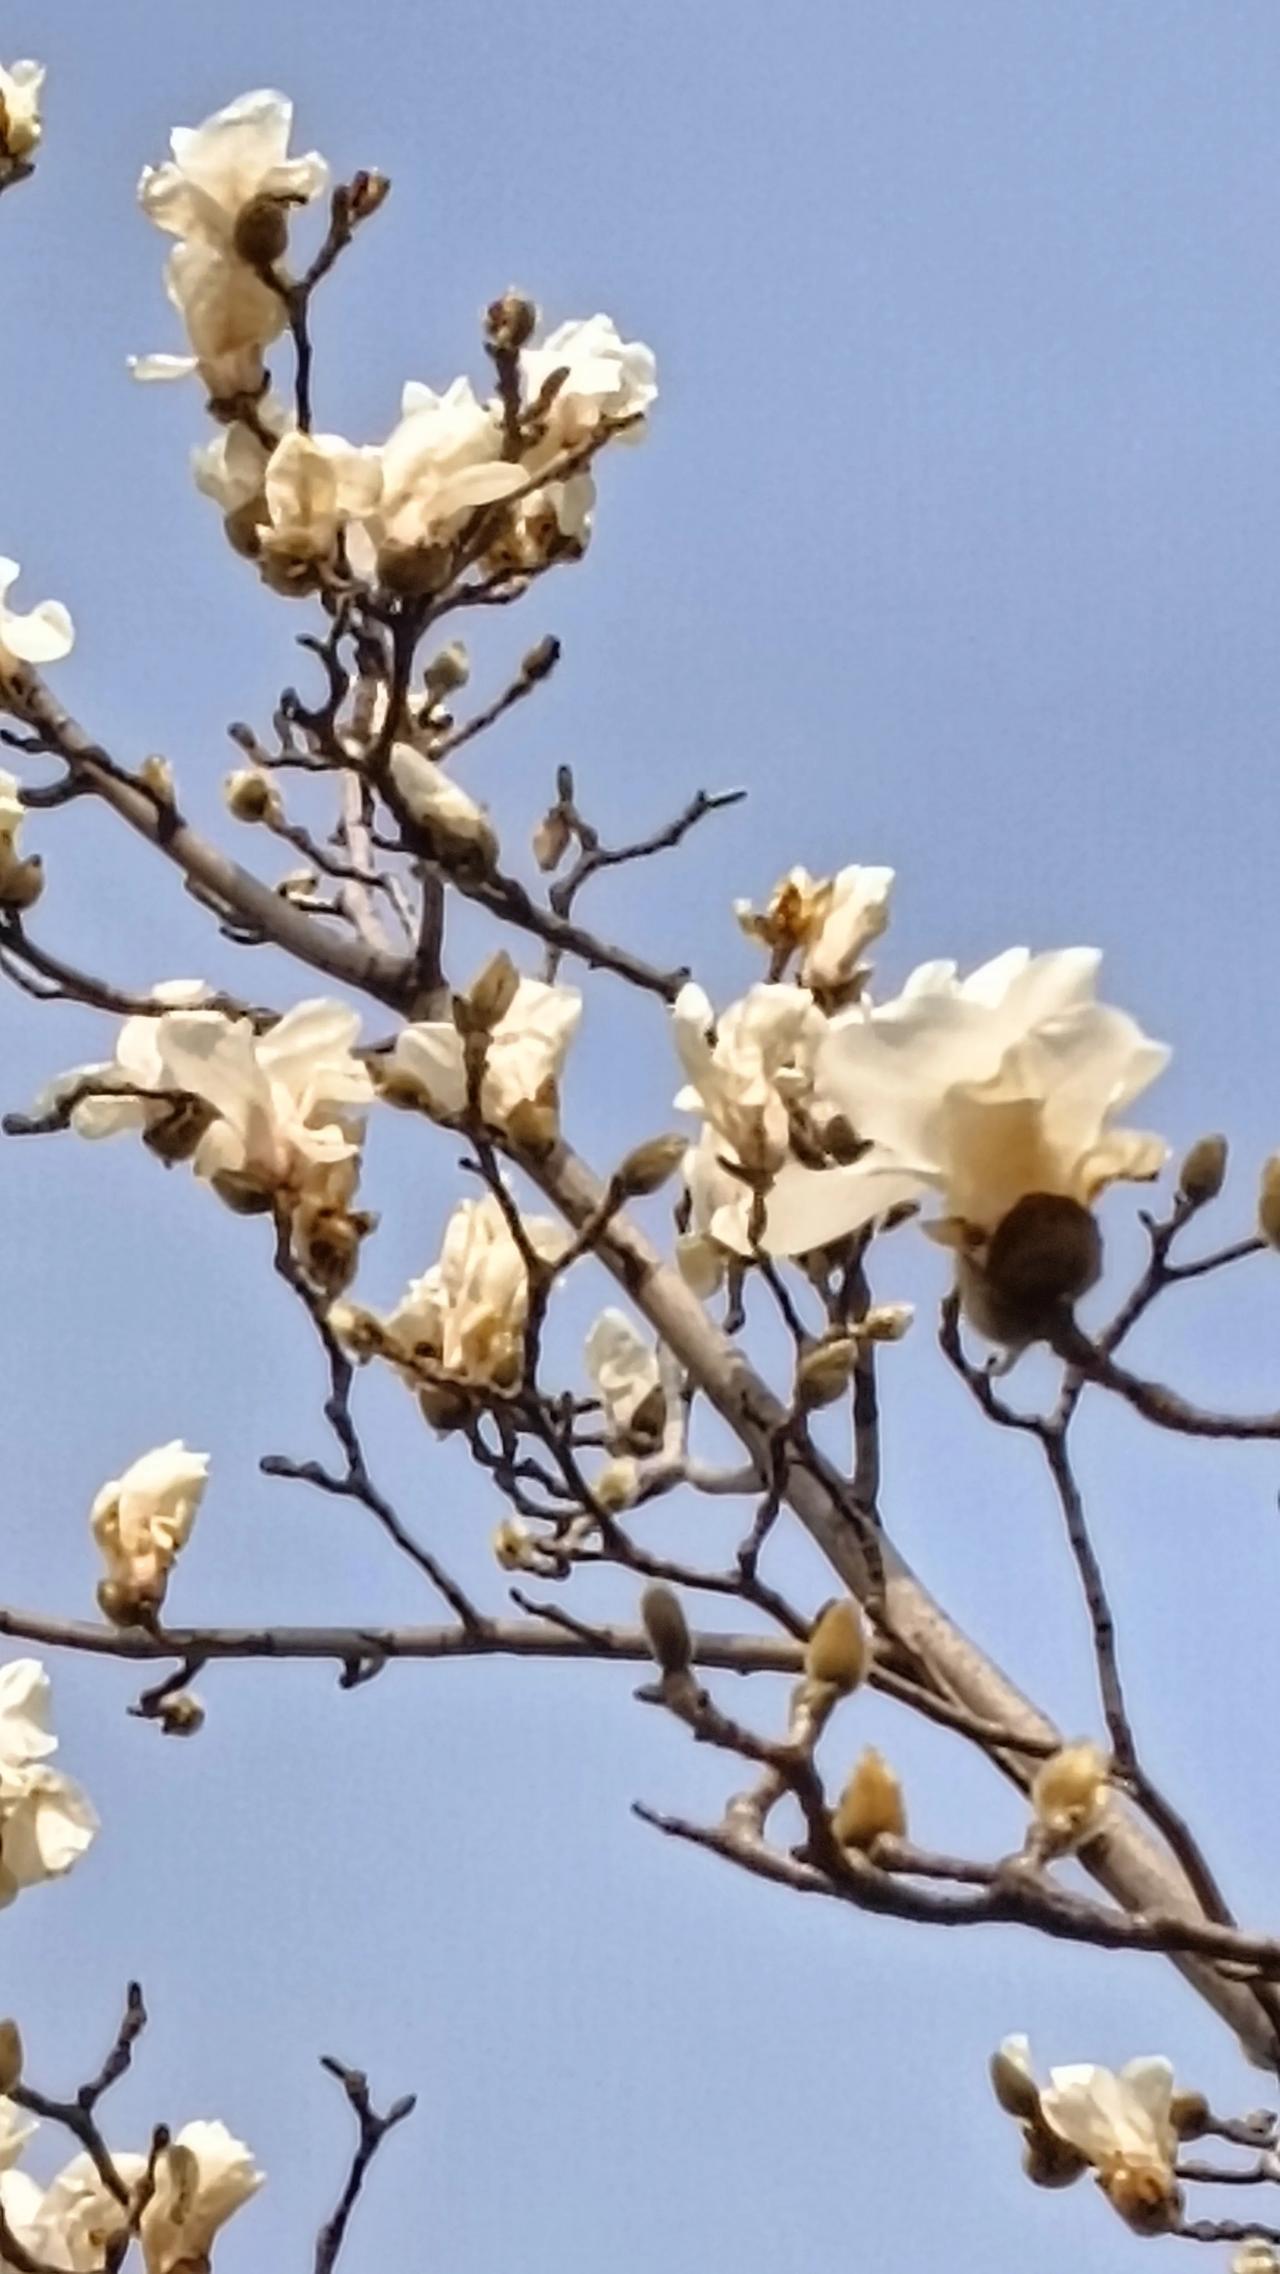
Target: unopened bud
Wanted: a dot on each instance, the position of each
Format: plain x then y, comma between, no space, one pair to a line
157,773
886,1322
1203,1171
491,993
649,1166
250,795
21,884
617,1485
511,1543
551,840
180,1715
1269,1201
365,193
129,1606
533,1125
540,661
10,2056
871,1804
666,1629
261,232
448,671
824,1373
509,322
1069,1793
1190,2115
444,1407
836,1652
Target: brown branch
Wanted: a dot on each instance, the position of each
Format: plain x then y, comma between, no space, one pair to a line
77,2115
372,2131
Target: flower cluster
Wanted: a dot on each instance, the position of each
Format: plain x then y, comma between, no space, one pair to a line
302,503
46,1823
140,1522
823,1111
201,2177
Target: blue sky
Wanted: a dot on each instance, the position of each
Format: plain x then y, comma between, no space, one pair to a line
955,540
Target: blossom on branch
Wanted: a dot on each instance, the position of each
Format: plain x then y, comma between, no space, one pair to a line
1122,2123
140,1521
628,1380
438,466
524,1056
225,195
73,2222
202,2178
463,1322
828,921
46,1823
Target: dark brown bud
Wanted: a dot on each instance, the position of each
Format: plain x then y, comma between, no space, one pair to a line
365,193
509,322
261,232
1043,1255
540,661
1203,1172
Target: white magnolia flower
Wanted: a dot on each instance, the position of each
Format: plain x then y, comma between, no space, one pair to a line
851,910
46,1823
135,1067
439,805
20,129
997,1086
314,484
43,635
527,1050
232,468
1121,2123
467,1314
202,2178
71,2223
607,379
142,1519
239,154
286,1104
441,462
628,1380
747,1068
237,158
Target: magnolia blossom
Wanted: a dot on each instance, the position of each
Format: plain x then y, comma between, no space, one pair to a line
442,461
313,485
15,2130
832,920
998,1086
202,2178
46,1823
440,806
606,382
136,1067
466,1315
279,1108
1121,2122
527,1048
237,161
20,129
142,1519
70,2223
628,1380
43,635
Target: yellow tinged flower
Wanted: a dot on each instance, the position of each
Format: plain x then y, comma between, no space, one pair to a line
871,1804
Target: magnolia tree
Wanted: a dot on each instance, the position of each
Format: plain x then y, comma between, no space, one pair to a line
824,1120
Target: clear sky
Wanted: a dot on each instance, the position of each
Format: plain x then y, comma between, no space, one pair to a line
956,540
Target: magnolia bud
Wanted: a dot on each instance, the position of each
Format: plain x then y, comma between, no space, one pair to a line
129,1606
1200,1179
180,1715
870,1805
617,1485
667,1629
448,671
1069,1793
540,661
1190,2115
491,993
261,232
533,1125
649,1166
21,883
157,773
250,795
551,840
10,2056
511,1543
366,192
886,1322
509,322
824,1373
1269,1201
444,1407
836,1652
